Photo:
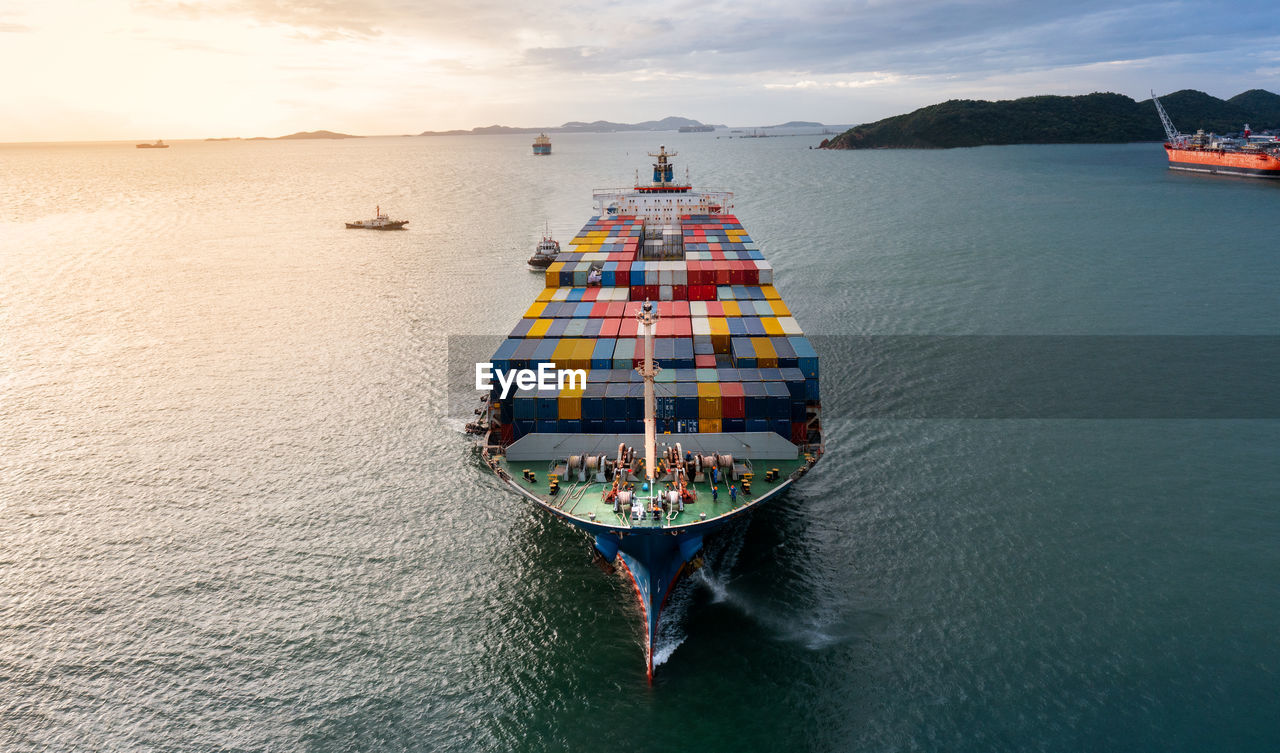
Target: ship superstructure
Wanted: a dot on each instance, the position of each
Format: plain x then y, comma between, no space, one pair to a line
542,144
698,396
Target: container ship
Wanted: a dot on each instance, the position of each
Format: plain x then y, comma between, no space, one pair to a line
691,394
1208,153
542,144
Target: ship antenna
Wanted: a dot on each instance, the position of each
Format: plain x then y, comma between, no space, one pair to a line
648,318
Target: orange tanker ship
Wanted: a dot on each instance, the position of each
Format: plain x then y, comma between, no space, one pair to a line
1206,153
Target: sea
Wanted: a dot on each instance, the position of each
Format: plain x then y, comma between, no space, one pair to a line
238,511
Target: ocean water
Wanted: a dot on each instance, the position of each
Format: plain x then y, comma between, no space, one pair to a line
237,512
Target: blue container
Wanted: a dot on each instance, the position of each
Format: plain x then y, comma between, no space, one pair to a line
798,413
702,345
522,329
524,354
526,427
602,353
807,357
779,400
758,424
574,296
687,400
616,426
754,326
566,275
543,353
615,401
548,405
592,426
687,426
728,374
757,400
744,353
781,427
592,328
637,273
684,351
635,401
686,375
737,327
811,390
733,424
548,426
755,254
505,352
635,426
724,293
747,308
525,405
557,328
570,426
786,354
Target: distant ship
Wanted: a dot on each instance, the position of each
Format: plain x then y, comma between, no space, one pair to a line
542,144
158,145
697,129
545,254
380,222
1253,157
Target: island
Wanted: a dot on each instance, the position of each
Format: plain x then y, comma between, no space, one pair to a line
1101,117
578,126
294,136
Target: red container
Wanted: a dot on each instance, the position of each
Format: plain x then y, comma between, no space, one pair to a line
736,274
717,256
665,328
600,310
724,273
508,433
633,306
609,328
637,292
732,402
590,294
681,308
714,308
680,292
750,274
615,309
705,362
799,432
714,247
683,327
651,292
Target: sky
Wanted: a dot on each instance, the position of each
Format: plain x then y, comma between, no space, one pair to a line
174,69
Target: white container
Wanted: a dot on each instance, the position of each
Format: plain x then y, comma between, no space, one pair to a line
790,326
665,293
700,324
697,308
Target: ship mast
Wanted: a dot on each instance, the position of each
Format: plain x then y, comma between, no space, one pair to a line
648,318
1170,132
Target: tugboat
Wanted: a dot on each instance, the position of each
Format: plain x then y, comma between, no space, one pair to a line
542,144
381,222
158,145
545,253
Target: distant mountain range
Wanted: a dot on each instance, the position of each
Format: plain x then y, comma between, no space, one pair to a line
577,126
298,135
1088,119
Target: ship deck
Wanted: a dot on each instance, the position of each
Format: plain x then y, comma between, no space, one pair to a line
580,499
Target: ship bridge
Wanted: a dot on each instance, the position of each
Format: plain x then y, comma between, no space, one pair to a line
662,203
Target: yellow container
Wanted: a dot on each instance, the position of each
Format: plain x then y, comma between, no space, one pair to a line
779,308
539,329
719,334
569,403
771,326
770,293
562,357
553,274
545,295
709,426
766,356
708,400
534,311
582,354
731,308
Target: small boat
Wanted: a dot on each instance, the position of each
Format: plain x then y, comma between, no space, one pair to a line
381,222
158,145
545,253
542,144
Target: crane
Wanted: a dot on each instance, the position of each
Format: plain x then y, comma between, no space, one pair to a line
1169,131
